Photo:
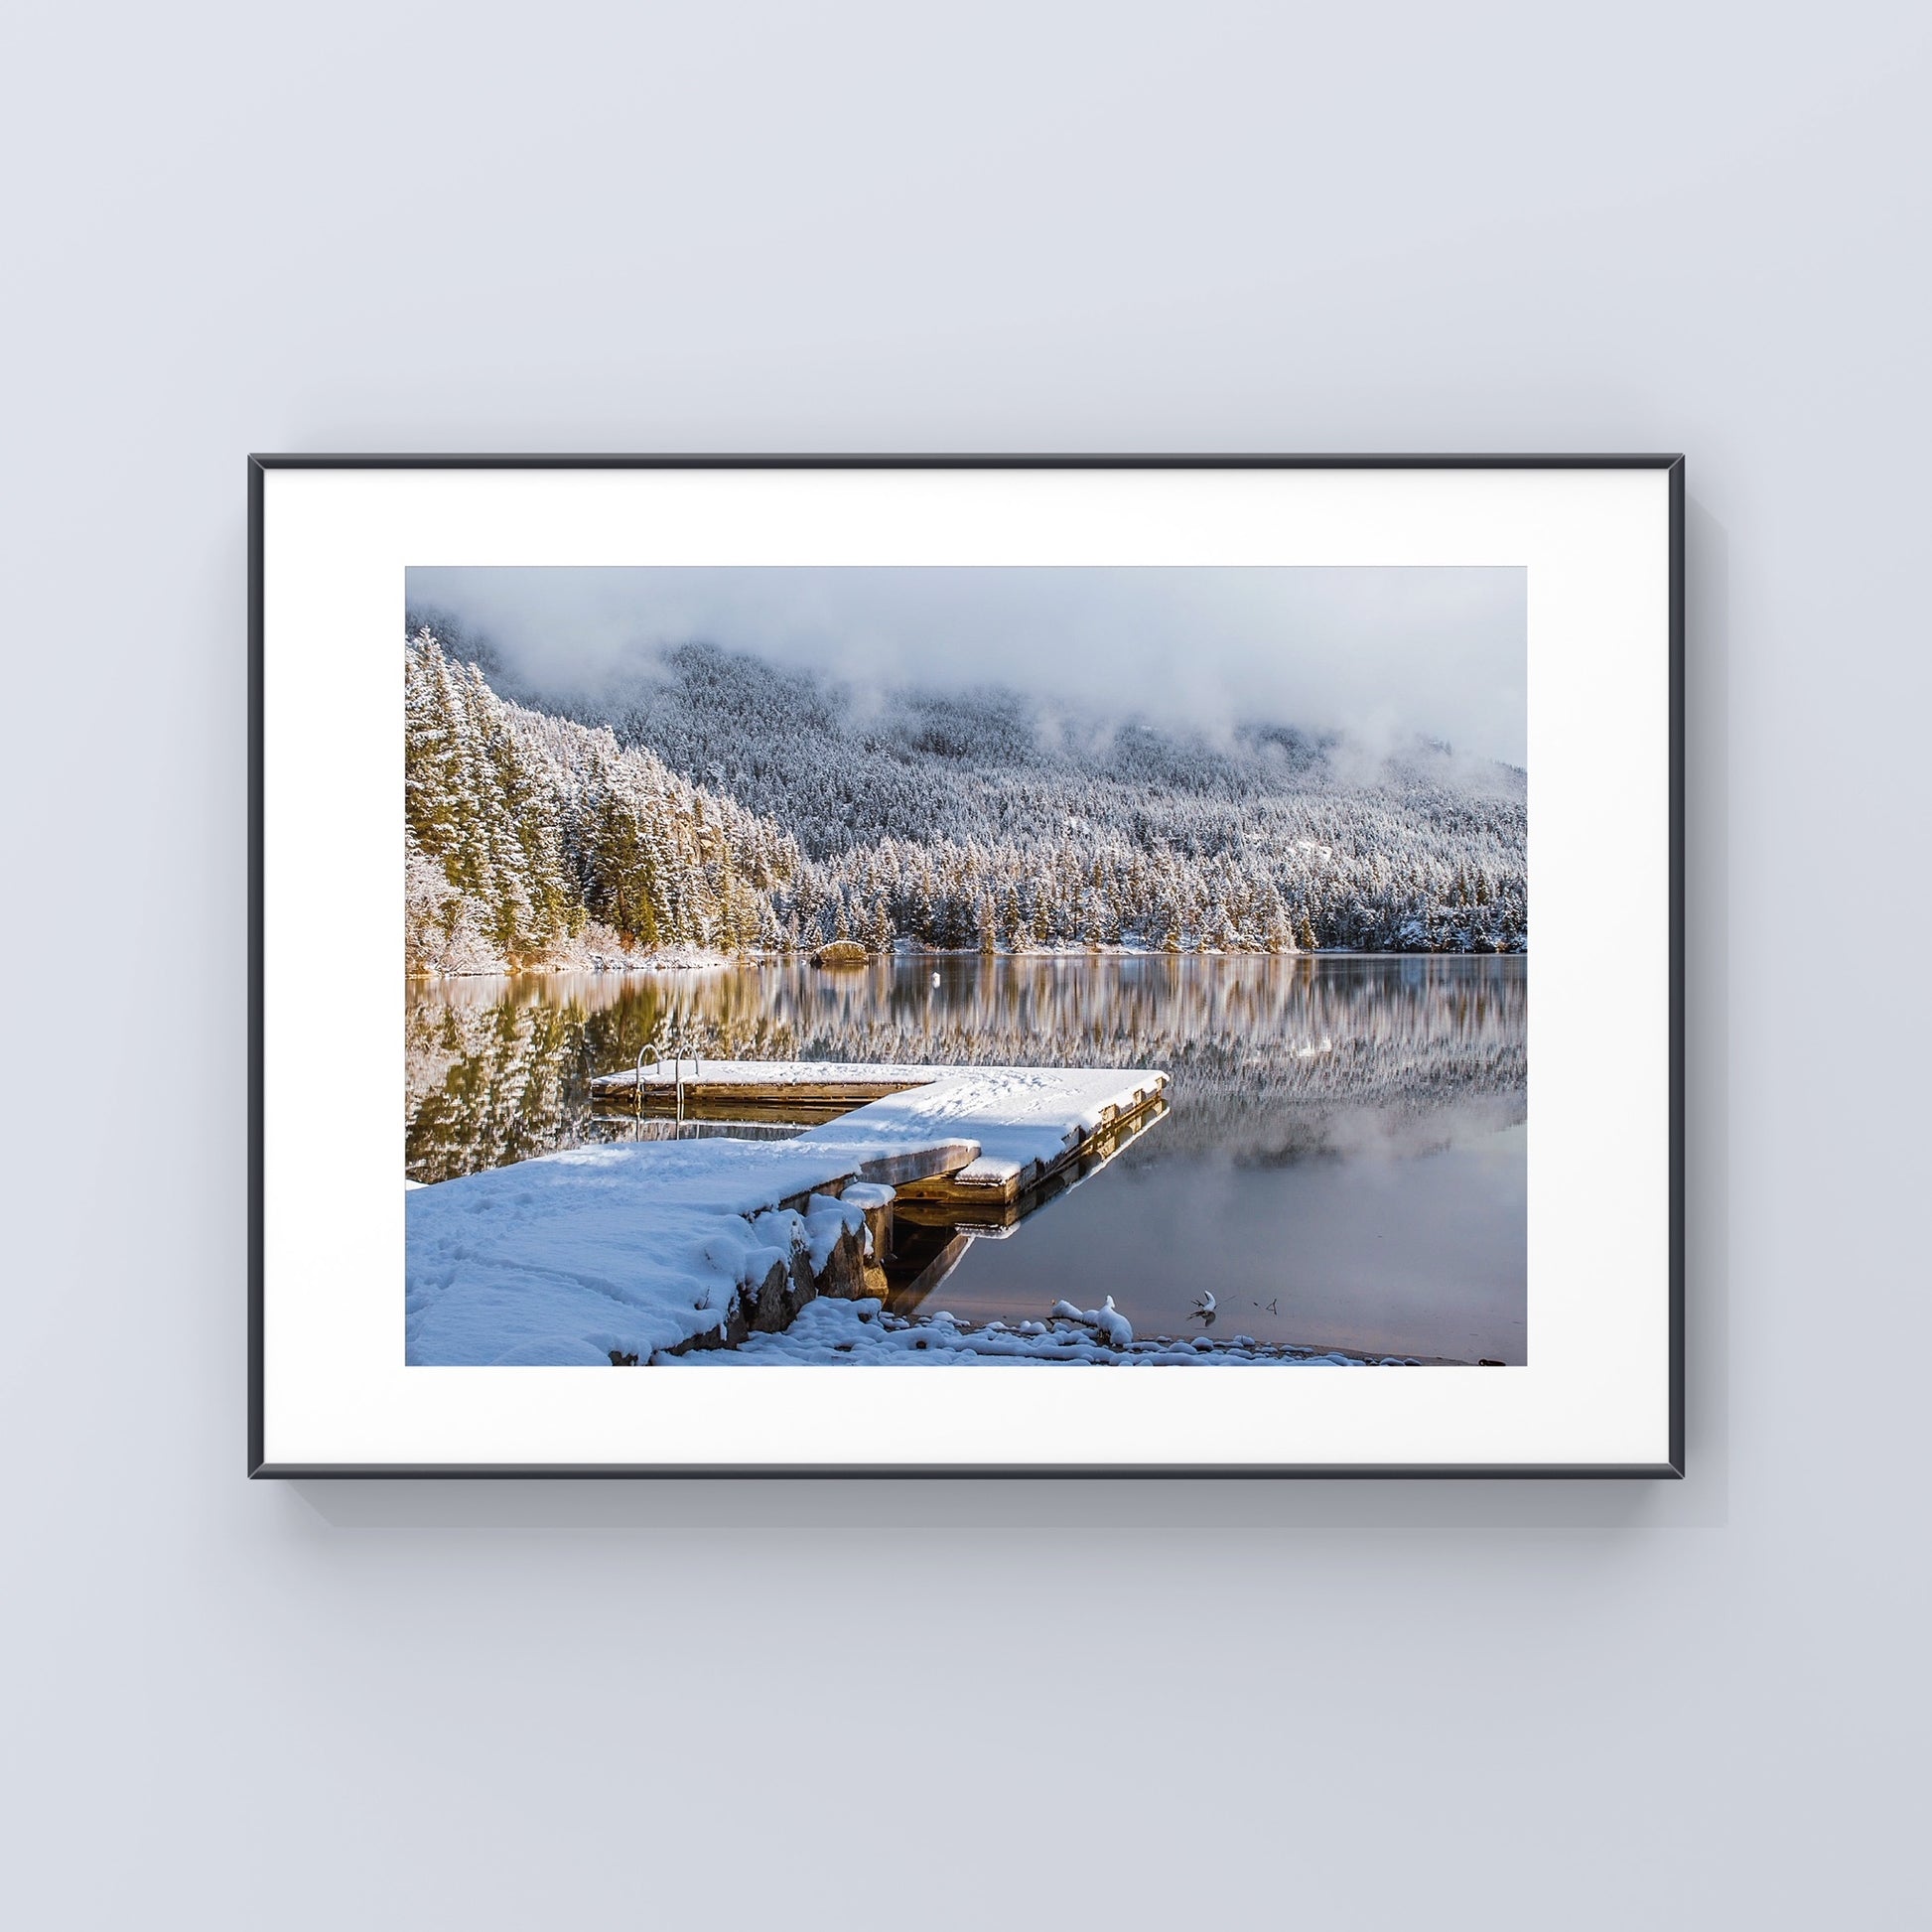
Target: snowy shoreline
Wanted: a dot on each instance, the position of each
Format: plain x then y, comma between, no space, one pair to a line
733,1277
626,1253
773,1253
835,1332
689,961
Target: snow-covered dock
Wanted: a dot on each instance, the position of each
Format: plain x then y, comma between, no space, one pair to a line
1027,1121
615,1254
768,1084
622,1253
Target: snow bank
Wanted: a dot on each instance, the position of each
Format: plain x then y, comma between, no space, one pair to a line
631,1251
833,1334
577,1255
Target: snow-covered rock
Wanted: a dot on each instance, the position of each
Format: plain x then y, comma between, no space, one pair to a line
842,1333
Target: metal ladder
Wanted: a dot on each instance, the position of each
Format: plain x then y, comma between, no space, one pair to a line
677,1042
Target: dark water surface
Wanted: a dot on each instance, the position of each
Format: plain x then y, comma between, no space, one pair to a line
1344,1163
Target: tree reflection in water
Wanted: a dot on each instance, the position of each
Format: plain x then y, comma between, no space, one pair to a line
1265,1054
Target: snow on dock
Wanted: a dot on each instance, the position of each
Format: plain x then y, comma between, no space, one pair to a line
620,1253
1026,1120
883,1076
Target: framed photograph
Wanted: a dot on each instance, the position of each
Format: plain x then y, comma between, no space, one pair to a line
983,965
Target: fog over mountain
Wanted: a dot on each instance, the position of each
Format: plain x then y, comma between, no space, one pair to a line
1378,655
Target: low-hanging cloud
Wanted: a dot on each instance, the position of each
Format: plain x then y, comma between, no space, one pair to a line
1377,652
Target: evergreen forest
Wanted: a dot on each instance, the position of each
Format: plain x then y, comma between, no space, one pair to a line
718,804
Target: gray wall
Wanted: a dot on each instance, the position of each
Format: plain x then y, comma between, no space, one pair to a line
1006,227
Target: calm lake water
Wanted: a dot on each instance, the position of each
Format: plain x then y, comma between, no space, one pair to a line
1344,1161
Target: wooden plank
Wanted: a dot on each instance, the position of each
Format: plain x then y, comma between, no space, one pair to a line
927,1164
979,1182
970,1194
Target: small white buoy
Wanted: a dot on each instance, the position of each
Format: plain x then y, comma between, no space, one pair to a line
935,979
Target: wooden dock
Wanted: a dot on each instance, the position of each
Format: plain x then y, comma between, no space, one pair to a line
1013,1129
625,1254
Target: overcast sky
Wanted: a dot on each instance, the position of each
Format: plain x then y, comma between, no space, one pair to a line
1378,652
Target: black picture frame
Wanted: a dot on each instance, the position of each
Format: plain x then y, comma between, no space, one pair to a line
258,465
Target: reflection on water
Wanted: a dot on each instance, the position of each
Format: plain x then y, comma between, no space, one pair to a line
1344,1161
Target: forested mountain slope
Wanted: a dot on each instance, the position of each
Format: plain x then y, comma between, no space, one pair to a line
532,841
716,800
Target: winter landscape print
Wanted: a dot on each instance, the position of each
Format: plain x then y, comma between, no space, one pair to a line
1077,967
